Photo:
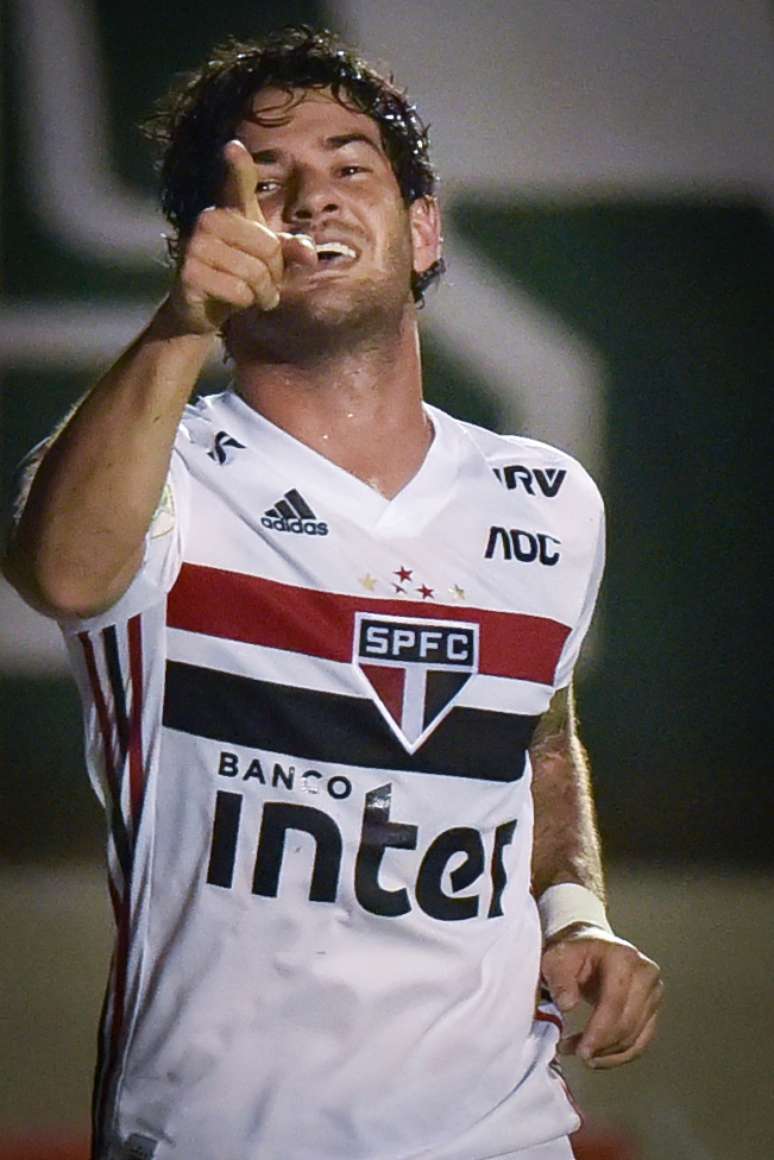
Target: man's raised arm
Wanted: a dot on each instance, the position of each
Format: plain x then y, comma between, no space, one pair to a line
79,540
583,959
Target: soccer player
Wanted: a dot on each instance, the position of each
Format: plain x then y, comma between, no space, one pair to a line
324,634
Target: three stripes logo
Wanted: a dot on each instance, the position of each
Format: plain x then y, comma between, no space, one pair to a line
293,514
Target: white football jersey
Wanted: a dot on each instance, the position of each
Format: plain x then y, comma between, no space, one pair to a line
308,721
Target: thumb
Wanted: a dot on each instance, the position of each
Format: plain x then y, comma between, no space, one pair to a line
566,998
238,190
560,976
298,248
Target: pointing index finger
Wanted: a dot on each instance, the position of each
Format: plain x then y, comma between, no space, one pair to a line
240,181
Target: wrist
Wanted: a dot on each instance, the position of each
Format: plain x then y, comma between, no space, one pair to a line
568,905
170,322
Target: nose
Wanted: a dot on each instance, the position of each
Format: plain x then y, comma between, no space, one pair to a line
309,196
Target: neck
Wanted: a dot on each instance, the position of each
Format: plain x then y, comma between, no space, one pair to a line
360,407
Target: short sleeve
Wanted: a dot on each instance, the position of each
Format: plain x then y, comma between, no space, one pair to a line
572,646
164,544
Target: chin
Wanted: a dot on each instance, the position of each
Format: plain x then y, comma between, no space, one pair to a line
322,319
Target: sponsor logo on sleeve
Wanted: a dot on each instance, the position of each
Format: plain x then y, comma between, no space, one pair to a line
223,447
538,481
164,517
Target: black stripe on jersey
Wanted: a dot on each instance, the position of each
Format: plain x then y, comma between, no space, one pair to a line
117,819
113,662
343,730
120,834
97,1123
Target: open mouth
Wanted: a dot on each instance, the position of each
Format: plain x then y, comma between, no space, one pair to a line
335,254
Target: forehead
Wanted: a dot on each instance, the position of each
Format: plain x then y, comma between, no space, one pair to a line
308,114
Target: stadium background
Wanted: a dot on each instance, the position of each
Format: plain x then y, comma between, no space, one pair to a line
608,181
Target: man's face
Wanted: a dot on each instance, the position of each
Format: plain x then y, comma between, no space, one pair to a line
322,171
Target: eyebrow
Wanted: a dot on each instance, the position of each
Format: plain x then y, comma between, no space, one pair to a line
339,141
348,138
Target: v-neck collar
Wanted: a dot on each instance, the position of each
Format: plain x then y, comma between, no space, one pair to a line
417,501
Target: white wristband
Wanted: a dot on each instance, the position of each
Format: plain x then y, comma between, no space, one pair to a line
568,903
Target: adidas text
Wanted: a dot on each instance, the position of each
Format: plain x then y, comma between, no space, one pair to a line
300,527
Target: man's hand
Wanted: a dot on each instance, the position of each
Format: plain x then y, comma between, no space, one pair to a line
623,987
232,260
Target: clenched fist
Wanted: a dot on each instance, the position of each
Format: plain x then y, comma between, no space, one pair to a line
232,259
624,989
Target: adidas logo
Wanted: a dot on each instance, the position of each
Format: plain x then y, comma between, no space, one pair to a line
293,514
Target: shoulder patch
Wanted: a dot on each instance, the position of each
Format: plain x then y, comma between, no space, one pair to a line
164,517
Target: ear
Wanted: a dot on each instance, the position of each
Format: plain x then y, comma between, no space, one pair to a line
426,240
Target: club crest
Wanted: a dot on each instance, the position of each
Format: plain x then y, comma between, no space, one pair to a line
415,669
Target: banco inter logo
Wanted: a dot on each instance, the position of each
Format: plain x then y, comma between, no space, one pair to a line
293,514
416,669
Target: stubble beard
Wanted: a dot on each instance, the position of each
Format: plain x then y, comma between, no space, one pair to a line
329,321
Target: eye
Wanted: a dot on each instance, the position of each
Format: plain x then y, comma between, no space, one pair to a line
351,170
271,185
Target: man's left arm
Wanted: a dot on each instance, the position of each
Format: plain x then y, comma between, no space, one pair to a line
582,959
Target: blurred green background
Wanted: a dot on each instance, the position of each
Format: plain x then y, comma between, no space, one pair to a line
675,292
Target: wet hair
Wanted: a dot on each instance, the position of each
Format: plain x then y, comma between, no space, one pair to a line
202,110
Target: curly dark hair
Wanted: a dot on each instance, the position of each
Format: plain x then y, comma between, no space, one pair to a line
201,112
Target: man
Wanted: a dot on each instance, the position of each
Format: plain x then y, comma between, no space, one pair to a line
316,630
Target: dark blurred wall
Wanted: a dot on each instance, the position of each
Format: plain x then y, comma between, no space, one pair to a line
678,296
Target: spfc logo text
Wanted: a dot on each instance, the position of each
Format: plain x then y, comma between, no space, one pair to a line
416,669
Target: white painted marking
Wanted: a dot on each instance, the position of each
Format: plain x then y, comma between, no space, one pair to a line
65,140
548,381
71,335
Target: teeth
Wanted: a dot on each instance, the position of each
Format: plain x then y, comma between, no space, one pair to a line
336,248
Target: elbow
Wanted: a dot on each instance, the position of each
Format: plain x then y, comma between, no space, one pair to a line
54,593
50,599
23,580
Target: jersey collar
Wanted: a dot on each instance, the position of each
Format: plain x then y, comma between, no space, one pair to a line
415,504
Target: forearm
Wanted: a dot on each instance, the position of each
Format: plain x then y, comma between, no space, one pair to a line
80,536
582,958
566,844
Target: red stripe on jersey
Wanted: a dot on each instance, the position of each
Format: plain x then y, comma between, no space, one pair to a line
111,1023
115,899
121,962
136,772
105,720
103,717
119,897
544,1016
547,1017
235,606
104,1083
